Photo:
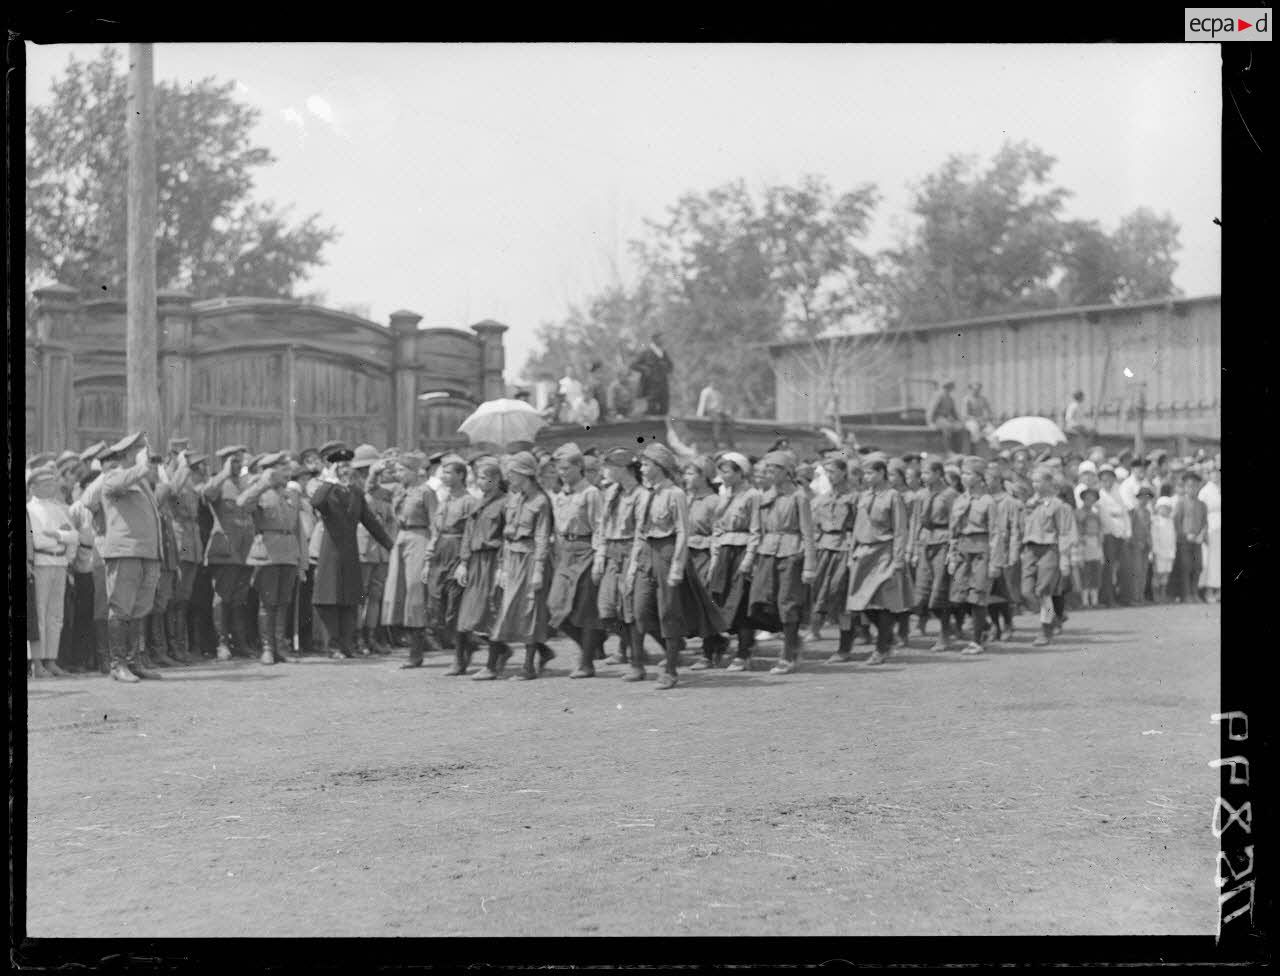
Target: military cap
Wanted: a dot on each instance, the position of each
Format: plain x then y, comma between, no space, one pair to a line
194,459
436,458
522,462
912,456
739,461
364,456
253,462
223,453
272,460
66,457
453,459
93,451
1107,469
40,472
873,456
39,460
975,464
332,451
308,450
662,456
568,453
620,457
781,459
122,446
177,444
155,457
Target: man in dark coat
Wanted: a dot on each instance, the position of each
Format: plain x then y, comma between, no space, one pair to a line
654,366
341,506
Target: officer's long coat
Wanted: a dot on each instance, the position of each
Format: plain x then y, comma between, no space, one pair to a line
341,508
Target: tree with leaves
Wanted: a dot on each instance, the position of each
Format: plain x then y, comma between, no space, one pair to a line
213,238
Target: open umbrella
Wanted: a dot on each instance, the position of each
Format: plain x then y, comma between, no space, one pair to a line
502,421
1029,432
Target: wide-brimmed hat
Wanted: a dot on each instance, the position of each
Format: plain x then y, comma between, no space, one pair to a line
662,456
364,456
739,461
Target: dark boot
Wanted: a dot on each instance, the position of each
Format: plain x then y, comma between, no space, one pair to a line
844,652
135,648
279,626
586,656
243,644
222,630
545,656
790,649
417,647
175,631
267,632
461,657
376,644
158,643
468,650
671,665
530,669
117,652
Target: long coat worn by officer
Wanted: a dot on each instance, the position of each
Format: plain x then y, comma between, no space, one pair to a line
338,587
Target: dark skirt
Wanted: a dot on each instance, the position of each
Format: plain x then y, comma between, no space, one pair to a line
478,608
443,593
573,596
778,593
613,597
830,588
933,583
873,582
675,612
970,577
522,613
731,590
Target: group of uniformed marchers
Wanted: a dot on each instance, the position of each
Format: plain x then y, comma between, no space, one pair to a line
497,554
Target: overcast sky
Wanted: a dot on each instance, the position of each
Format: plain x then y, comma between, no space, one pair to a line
475,181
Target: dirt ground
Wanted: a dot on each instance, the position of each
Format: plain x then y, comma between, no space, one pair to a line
1028,791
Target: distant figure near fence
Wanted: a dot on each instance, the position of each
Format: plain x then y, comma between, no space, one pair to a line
944,416
655,367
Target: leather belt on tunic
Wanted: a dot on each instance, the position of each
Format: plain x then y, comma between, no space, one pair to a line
699,542
276,531
628,538
735,538
565,537
415,528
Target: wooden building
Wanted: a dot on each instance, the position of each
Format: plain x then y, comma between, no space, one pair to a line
1164,356
272,374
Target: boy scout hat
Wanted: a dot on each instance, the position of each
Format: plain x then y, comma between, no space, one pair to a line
620,457
40,472
739,461
703,465
662,456
780,459
93,451
522,462
364,456
975,464
331,451
568,453
223,453
122,446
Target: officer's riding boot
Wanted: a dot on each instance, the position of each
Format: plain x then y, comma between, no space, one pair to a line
279,626
117,653
586,654
158,646
137,663
267,631
175,633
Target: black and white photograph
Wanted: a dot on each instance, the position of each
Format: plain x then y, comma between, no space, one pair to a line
510,490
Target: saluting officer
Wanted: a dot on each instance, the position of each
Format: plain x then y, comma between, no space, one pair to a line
279,553
227,552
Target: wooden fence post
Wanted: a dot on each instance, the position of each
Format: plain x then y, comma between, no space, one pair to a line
404,378
176,321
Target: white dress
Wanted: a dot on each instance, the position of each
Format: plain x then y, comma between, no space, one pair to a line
1211,576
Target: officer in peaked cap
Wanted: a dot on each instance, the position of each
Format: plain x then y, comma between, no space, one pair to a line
40,460
227,553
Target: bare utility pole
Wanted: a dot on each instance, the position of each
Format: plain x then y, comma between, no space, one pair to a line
142,384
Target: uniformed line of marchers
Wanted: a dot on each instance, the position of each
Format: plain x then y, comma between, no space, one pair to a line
450,555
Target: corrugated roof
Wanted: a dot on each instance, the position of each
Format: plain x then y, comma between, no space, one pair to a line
1007,317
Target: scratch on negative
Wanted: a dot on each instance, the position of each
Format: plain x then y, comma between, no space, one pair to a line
1242,118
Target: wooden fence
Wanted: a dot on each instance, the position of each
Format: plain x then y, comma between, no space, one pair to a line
268,373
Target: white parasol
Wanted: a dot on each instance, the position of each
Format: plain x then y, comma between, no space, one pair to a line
502,421
1029,432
